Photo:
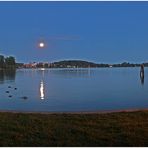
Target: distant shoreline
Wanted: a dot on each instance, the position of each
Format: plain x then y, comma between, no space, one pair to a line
80,68
73,112
75,64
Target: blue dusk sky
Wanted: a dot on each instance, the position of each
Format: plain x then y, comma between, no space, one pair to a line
101,32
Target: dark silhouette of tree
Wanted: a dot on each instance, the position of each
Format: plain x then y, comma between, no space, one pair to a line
10,62
2,62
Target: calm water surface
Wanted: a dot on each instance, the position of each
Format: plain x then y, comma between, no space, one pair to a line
73,89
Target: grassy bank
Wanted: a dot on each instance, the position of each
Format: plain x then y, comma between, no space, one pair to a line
111,129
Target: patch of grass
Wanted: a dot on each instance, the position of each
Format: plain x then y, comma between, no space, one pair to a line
110,129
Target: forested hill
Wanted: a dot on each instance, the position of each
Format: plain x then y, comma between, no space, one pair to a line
76,64
86,64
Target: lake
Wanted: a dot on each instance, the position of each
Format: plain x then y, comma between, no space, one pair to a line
68,90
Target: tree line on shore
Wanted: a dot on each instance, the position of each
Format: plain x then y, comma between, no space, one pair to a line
77,64
85,64
7,62
10,63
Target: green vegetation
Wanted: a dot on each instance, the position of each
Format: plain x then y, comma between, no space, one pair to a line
85,64
7,63
109,129
76,64
19,65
